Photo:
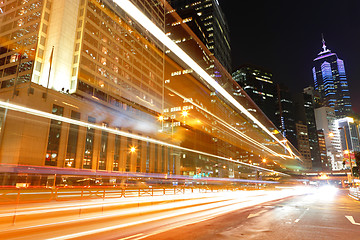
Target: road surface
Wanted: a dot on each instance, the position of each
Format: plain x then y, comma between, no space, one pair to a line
323,215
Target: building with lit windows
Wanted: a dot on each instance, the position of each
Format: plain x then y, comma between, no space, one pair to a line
259,85
325,163
304,112
303,144
326,122
98,67
83,96
212,28
331,81
352,134
284,114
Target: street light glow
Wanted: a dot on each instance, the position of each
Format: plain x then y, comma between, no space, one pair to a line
132,149
184,113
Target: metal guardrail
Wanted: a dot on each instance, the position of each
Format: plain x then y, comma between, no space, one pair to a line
16,195
355,192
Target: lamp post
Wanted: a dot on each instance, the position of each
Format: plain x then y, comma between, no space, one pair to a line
348,151
184,114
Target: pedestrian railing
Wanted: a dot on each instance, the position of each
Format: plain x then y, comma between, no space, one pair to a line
355,192
16,195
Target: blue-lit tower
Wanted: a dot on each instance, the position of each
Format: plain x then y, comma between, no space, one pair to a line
330,80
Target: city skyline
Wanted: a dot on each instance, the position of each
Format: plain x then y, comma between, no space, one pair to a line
285,38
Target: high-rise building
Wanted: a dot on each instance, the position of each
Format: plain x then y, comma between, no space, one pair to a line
259,85
284,114
212,29
352,135
331,81
325,163
326,122
86,61
315,95
304,112
303,145
84,84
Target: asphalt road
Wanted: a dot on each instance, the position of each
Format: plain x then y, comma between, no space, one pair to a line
322,215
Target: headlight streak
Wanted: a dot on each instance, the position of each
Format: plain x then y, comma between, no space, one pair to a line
203,216
39,113
108,203
138,16
213,209
131,211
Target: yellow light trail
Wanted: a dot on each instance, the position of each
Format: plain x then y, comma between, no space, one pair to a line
39,113
143,20
231,201
227,125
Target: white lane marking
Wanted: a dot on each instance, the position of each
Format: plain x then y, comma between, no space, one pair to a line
351,219
257,214
301,216
133,236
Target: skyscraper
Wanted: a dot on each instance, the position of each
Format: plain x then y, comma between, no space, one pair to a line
330,80
304,112
284,114
303,144
259,85
214,31
326,122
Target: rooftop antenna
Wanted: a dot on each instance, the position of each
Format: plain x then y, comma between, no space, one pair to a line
323,42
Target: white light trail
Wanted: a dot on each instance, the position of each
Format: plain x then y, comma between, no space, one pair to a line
39,113
234,201
224,123
138,16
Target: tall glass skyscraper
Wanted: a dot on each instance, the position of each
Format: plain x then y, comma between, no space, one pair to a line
330,80
211,27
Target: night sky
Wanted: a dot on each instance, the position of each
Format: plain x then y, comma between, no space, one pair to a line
285,36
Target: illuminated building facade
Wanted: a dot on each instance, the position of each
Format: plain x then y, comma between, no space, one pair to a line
326,122
331,81
212,28
284,114
325,163
304,112
92,101
103,69
352,134
259,85
303,145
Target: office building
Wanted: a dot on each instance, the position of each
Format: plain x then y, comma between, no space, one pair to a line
352,135
259,85
303,145
83,89
212,28
326,122
284,114
98,67
325,163
331,82
304,113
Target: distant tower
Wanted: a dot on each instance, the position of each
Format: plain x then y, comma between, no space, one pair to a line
330,80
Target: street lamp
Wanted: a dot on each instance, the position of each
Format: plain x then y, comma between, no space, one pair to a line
132,149
184,114
161,119
348,151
